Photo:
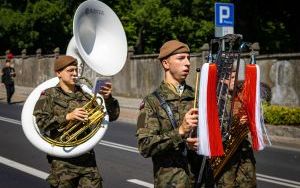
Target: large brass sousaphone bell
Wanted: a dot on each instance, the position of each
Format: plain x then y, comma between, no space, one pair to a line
99,40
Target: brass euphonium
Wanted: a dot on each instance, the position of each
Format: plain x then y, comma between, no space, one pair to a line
77,132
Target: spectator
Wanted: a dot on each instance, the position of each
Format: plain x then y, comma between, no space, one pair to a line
8,74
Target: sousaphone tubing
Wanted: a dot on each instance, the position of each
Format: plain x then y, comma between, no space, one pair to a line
99,41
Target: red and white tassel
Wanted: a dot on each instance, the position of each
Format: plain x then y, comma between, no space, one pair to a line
251,96
209,134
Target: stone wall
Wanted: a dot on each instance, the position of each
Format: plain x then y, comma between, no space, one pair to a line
141,74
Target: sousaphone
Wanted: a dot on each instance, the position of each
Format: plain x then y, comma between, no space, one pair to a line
99,40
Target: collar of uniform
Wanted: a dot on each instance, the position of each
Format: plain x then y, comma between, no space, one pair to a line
170,94
176,89
71,95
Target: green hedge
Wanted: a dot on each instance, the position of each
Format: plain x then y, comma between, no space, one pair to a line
281,115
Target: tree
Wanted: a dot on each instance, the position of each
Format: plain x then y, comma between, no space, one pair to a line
47,24
274,24
41,24
149,23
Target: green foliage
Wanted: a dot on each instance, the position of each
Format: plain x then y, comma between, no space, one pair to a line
152,22
273,24
41,24
148,23
281,115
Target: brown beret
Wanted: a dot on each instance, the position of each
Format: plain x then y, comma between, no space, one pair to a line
63,61
172,47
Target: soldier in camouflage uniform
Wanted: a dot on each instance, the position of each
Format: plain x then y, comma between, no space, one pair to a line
240,169
55,108
175,163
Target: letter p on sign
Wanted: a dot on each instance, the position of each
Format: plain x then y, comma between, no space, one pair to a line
224,14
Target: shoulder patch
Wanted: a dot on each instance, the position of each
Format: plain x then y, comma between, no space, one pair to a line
43,93
142,105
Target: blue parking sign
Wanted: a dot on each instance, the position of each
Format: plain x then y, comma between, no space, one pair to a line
224,14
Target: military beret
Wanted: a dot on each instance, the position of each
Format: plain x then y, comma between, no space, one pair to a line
63,61
172,47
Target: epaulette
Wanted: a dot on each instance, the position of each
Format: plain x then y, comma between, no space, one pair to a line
43,93
142,105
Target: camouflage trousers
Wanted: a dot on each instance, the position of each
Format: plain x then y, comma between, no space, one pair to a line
172,178
241,174
66,175
176,178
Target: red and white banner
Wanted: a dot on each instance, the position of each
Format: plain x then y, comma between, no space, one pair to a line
209,134
251,98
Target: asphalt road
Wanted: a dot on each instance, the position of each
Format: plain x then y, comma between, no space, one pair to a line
22,165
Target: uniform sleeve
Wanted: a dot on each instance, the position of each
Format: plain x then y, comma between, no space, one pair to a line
151,139
45,118
113,108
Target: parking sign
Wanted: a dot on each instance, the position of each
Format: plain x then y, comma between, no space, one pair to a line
224,14
224,19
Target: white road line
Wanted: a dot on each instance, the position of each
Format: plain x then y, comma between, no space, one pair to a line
142,183
280,181
261,177
23,168
277,182
44,175
10,120
119,146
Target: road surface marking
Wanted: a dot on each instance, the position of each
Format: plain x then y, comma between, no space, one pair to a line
279,181
261,177
23,168
142,183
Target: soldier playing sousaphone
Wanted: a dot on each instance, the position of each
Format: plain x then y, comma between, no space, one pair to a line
61,104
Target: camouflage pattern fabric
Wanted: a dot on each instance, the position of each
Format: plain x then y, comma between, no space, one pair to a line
54,104
240,169
50,112
67,175
158,139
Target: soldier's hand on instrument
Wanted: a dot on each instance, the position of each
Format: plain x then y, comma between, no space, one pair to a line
192,143
105,90
189,122
77,114
243,119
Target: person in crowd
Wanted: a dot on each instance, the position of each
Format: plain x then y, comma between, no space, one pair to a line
8,75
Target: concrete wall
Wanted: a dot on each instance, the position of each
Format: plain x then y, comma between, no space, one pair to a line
141,74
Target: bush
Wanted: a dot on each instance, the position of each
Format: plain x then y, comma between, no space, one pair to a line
281,115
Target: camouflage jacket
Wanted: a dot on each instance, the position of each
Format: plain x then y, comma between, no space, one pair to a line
54,104
244,151
239,170
159,140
